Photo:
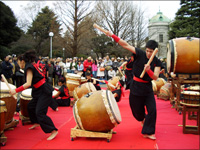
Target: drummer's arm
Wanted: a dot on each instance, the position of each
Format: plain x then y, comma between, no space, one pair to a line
26,85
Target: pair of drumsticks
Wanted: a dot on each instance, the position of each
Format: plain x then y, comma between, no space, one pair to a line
151,58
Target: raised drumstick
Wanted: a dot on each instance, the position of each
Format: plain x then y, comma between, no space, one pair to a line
4,79
149,62
100,28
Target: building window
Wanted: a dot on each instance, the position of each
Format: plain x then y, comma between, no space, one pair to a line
161,38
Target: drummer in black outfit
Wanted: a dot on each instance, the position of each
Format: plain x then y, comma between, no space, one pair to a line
141,93
128,71
95,82
62,97
41,93
119,90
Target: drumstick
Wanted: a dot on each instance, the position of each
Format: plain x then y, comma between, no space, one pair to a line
4,79
104,82
101,29
120,72
53,82
149,62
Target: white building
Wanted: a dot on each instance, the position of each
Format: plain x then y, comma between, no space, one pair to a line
158,30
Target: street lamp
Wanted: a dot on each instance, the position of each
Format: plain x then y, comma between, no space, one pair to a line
63,53
51,35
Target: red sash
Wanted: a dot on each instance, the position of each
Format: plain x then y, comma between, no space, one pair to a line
139,80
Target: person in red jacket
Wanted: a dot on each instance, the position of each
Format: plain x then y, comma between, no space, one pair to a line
86,64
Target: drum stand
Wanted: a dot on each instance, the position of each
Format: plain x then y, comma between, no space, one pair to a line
12,124
24,119
76,132
3,139
176,87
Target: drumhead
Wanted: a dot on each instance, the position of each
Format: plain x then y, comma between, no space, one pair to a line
190,93
55,92
115,113
4,87
2,103
73,75
197,87
26,94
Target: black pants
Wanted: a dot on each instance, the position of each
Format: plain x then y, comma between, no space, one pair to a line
137,104
37,109
59,102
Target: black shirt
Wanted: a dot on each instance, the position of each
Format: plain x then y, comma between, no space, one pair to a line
118,91
64,91
139,88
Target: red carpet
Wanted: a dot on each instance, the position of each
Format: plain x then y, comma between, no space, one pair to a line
169,135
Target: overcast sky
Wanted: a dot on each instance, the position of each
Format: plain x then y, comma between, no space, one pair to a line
169,8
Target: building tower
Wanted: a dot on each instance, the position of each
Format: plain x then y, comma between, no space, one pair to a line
158,30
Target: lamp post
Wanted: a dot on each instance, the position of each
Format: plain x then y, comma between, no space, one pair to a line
51,35
63,53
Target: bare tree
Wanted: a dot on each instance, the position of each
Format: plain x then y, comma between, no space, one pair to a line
71,14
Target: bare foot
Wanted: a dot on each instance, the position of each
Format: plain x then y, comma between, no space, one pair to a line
34,126
57,109
152,136
142,123
53,135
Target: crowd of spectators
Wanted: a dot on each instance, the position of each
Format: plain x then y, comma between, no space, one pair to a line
101,68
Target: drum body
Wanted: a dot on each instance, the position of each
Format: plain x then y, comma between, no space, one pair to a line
73,81
157,84
3,111
182,55
165,90
25,98
113,81
83,89
97,111
191,97
10,102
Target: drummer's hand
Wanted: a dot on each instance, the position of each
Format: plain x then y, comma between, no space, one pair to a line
146,67
162,71
12,92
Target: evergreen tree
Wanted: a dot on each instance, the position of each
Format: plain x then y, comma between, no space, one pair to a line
45,22
187,20
8,29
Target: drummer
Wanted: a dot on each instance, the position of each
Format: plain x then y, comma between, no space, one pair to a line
62,97
119,92
41,94
95,82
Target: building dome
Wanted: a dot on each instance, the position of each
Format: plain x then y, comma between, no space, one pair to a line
159,18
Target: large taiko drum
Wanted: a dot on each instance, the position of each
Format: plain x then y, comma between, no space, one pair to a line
165,91
3,111
25,98
191,97
157,84
73,81
83,89
97,111
182,55
113,81
10,102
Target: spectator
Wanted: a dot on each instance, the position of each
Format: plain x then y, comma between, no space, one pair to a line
73,66
108,64
115,65
94,68
58,72
100,72
80,67
111,73
50,77
89,79
87,63
7,69
67,65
